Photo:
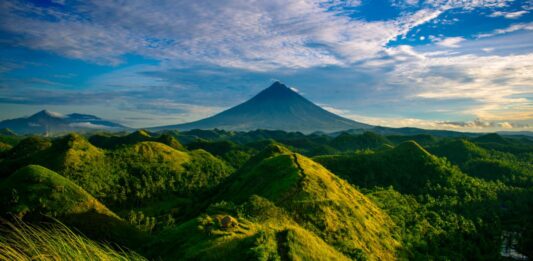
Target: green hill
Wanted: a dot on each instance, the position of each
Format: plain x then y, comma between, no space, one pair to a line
114,141
77,159
152,169
170,141
316,199
255,230
107,141
454,207
35,192
367,140
490,138
4,147
459,151
230,152
27,151
129,173
488,164
71,155
422,139
408,167
38,190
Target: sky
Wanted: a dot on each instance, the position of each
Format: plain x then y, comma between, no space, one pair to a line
463,65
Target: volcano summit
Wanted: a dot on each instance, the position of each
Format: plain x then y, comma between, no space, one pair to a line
275,108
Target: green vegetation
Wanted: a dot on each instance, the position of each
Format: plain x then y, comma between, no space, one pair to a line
236,155
4,147
255,230
316,198
35,190
367,140
223,195
22,241
439,208
36,193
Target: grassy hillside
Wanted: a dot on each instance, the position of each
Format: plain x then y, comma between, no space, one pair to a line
448,199
488,164
408,167
36,193
316,199
35,190
255,230
115,141
72,156
25,152
367,140
4,147
131,173
254,196
152,170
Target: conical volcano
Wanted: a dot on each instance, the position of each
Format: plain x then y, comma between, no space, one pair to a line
276,108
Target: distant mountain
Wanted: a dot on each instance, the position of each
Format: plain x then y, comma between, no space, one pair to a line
52,122
276,108
7,132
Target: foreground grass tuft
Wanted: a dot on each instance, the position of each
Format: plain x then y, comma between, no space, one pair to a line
22,241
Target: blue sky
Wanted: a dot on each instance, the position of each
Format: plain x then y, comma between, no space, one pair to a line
439,64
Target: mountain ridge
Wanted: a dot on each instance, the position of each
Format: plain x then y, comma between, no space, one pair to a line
46,121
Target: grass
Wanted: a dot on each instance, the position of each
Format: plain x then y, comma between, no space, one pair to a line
265,234
36,193
22,241
318,200
4,147
36,189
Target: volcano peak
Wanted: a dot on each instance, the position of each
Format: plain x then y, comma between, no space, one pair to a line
277,107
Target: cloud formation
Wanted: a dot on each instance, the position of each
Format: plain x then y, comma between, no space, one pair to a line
211,55
259,35
509,15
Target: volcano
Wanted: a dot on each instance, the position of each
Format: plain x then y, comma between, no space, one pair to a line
276,108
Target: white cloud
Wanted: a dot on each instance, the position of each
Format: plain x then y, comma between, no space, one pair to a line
89,125
509,15
260,36
476,125
496,86
510,29
451,42
269,35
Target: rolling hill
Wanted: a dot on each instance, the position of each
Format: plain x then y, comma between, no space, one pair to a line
37,193
316,199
